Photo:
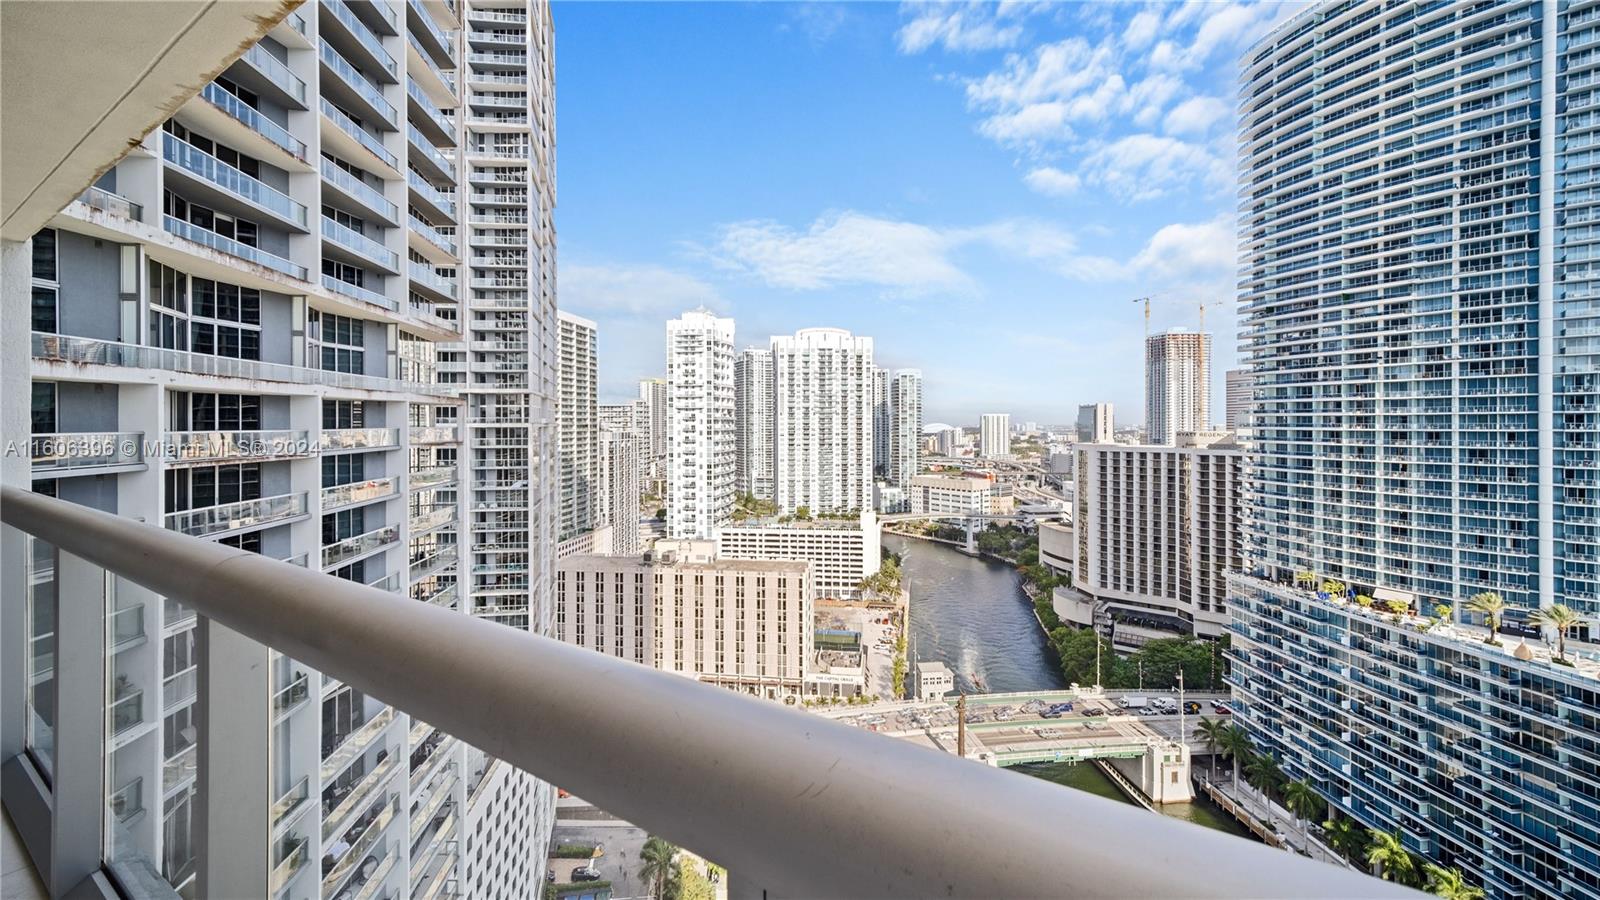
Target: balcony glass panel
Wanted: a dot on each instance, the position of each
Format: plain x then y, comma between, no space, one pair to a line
360,438
292,857
340,286
291,695
363,34
236,516
365,138
438,236
437,116
292,801
359,189
105,201
445,201
430,152
358,492
207,446
349,548
276,72
232,247
431,477
360,243
354,744
198,162
68,451
425,274
254,119
358,83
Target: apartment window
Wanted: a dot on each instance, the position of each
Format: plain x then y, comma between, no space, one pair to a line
354,223
344,272
203,486
250,541
246,164
225,320
233,228
46,276
220,412
346,523
339,341
43,407
343,469
248,97
343,414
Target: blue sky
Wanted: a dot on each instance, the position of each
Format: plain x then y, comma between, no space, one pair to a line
981,188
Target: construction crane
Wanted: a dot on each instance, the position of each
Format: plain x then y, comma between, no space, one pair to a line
1146,302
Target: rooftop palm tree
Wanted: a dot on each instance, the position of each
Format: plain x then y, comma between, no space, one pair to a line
1448,883
656,865
1489,605
1211,731
1235,745
1560,618
1389,858
1304,578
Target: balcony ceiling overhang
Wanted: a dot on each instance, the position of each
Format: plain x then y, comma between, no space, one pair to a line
82,83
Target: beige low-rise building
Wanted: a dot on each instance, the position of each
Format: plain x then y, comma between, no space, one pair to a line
841,551
743,624
976,493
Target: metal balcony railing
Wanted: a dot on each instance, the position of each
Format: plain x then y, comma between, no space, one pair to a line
254,191
80,452
766,790
253,118
115,204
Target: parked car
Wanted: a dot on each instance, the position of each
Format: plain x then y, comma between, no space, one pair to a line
587,873
1191,707
1221,709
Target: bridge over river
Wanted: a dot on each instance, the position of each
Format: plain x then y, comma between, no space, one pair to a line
1152,752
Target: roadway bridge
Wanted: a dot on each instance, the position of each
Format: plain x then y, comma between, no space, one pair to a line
1151,752
971,521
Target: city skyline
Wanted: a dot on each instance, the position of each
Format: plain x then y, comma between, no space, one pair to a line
954,202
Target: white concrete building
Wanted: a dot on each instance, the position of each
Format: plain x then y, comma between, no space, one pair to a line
974,493
1154,531
1095,424
950,441
653,394
619,476
822,421
700,424
994,435
1177,385
742,624
905,421
840,551
261,326
577,426
1239,388
752,410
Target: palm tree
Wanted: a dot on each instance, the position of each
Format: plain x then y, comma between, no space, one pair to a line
1303,801
1389,858
1211,731
1335,588
1561,618
1264,772
1343,836
1448,883
1235,745
1304,578
1489,605
656,865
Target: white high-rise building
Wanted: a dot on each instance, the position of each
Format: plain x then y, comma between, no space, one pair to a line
653,394
882,423
752,410
619,480
700,424
1095,424
1238,386
994,435
1155,530
280,286
631,416
1177,385
822,421
577,427
905,426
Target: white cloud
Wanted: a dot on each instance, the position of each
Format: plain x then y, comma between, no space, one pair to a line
1053,182
1147,166
1188,252
1141,29
905,258
631,290
959,27
1195,116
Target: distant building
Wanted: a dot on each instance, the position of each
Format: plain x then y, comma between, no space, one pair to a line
840,551
959,494
619,477
950,441
700,424
1095,424
653,394
1155,528
576,427
882,422
752,411
905,422
934,680
822,421
1177,385
742,624
1239,388
994,435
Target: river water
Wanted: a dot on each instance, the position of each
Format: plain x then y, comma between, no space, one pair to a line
971,615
